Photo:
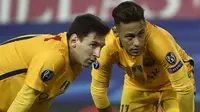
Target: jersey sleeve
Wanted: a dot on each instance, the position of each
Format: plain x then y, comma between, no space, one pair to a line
24,100
43,68
100,78
164,51
188,61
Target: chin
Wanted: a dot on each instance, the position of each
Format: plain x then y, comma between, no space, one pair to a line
86,65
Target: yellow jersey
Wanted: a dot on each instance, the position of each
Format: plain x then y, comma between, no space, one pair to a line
39,61
149,70
162,65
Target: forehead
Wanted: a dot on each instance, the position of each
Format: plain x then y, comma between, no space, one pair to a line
132,27
93,37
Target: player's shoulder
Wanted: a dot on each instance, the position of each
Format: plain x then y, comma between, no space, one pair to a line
155,30
54,37
110,38
62,35
57,42
112,42
156,33
46,37
51,56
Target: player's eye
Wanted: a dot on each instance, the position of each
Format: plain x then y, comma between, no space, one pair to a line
130,36
141,33
93,45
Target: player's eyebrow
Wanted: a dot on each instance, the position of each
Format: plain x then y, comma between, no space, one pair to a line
141,31
95,42
129,35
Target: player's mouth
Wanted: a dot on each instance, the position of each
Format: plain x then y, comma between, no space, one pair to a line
135,52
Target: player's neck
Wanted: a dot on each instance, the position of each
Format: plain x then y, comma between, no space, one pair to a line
72,58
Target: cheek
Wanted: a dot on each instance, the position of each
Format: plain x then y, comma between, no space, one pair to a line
128,42
87,51
81,51
142,41
123,42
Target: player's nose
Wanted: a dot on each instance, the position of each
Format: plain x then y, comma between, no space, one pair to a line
136,42
96,52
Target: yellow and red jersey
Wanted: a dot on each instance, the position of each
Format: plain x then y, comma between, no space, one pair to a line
39,61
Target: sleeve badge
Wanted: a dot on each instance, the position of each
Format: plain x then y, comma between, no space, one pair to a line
171,58
96,65
46,75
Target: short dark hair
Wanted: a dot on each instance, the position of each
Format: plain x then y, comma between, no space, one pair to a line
87,23
127,12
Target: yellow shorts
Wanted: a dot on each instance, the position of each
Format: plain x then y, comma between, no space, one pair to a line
141,101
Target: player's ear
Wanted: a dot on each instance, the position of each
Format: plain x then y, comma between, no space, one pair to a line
115,31
73,40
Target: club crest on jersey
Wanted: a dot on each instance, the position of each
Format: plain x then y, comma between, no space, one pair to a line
96,65
137,70
64,86
171,58
46,75
43,96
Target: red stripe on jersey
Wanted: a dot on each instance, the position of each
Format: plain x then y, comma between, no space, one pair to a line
54,38
153,24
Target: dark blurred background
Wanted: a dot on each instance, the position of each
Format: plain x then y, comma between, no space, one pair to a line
180,17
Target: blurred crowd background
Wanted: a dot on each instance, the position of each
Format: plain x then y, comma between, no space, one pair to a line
180,17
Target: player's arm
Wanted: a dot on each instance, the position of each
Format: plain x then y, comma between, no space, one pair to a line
188,61
100,80
164,50
40,77
24,100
